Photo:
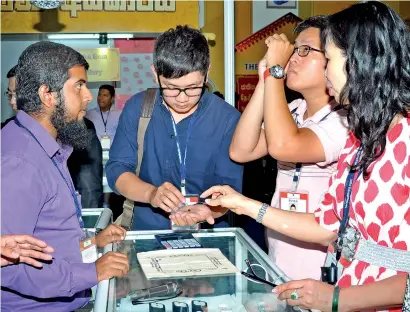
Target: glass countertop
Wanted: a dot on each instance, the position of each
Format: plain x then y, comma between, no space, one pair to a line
221,293
96,217
90,221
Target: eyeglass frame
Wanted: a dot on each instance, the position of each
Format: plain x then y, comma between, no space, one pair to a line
161,90
256,277
309,48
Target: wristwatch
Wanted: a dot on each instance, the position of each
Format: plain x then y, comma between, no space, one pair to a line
261,213
275,71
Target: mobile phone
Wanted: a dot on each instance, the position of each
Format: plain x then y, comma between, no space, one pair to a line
194,199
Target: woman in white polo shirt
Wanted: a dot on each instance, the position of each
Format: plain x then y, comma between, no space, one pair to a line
305,136
364,216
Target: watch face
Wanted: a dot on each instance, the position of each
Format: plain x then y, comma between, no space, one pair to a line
277,71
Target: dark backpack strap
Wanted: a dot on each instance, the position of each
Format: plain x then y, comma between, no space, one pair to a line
148,103
146,112
147,107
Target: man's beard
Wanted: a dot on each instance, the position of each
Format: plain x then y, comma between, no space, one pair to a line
70,131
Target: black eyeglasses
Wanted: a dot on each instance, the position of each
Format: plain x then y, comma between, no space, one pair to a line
255,277
175,92
304,50
190,92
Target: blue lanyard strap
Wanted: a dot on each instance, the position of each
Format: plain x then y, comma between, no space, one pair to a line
298,167
73,194
69,184
182,161
105,121
296,177
348,192
346,203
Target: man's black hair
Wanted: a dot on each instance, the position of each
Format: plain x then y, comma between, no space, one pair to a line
181,51
319,22
110,89
43,63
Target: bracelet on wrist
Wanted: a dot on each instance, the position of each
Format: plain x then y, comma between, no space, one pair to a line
335,301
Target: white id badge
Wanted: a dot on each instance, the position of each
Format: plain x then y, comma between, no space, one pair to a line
294,201
105,142
88,247
191,199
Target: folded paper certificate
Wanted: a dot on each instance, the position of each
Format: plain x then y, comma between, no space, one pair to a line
172,263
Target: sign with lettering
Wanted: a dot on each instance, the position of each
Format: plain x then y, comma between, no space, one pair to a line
252,49
104,64
98,16
245,86
251,66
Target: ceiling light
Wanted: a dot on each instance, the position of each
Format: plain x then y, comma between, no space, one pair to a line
88,36
47,4
73,36
120,36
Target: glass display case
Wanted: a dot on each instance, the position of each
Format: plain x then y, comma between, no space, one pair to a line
96,218
221,293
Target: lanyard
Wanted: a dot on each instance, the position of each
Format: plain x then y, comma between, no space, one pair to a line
105,121
182,161
298,167
69,184
346,201
296,177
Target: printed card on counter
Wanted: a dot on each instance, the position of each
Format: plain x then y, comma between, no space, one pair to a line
173,263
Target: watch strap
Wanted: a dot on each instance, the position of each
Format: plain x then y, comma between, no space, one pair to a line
266,73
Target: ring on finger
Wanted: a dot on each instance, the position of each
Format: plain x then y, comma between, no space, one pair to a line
294,295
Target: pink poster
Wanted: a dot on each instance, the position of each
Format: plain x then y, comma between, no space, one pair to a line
136,74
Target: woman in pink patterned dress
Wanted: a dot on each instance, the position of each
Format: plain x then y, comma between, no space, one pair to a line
368,71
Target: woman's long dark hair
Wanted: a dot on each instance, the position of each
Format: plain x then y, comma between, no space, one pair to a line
376,44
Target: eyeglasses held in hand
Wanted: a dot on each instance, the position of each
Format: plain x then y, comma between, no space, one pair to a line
255,277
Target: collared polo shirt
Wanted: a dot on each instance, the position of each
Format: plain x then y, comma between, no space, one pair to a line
35,200
330,126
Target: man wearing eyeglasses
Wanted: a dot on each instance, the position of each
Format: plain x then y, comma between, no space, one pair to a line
11,93
186,142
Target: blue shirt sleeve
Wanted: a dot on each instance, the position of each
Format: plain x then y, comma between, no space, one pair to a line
124,149
229,172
